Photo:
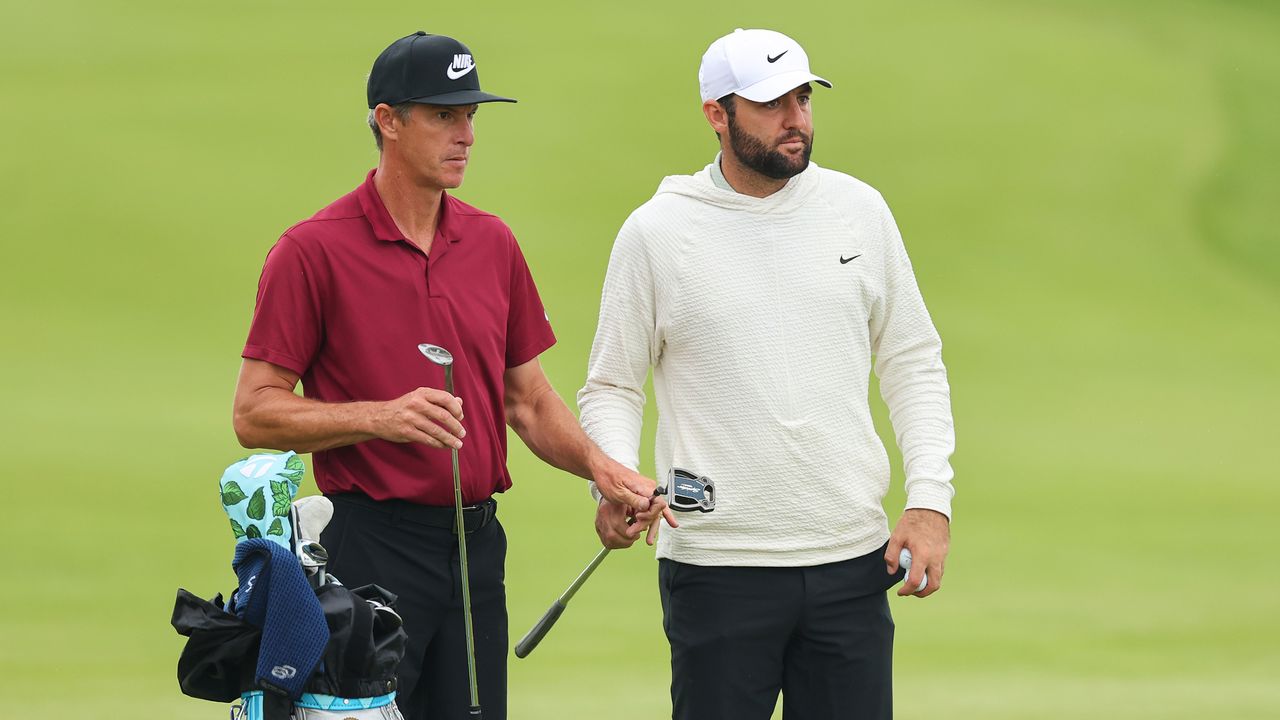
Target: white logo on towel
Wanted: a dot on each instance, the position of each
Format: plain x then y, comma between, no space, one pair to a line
242,595
283,672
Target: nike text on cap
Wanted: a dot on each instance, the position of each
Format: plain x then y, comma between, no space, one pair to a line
423,68
759,65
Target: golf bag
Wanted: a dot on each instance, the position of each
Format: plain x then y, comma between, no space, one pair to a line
292,642
356,670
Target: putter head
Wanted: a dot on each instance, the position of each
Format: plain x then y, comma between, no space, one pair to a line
687,491
436,354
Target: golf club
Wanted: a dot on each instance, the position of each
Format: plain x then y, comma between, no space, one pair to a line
315,561
440,356
685,492
310,516
549,618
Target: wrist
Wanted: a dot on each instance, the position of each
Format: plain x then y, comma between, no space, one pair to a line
367,418
600,466
926,514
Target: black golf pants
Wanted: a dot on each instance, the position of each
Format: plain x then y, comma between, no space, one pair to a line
822,635
370,543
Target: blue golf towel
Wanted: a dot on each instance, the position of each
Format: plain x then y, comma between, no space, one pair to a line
275,596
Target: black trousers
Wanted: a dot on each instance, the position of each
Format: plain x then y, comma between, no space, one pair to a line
822,635
380,543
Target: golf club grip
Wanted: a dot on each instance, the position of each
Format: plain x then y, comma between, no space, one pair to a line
539,631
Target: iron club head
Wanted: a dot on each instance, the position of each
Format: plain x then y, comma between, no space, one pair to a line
436,354
442,357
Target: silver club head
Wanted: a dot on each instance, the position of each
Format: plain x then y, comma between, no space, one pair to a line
436,354
313,555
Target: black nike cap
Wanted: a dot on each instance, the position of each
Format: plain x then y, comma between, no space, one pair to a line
422,68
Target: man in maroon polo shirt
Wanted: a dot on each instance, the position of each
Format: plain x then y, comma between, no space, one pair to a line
344,300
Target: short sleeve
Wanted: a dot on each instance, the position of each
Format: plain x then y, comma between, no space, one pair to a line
529,331
287,318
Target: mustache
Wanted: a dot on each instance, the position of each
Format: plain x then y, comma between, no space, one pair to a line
796,135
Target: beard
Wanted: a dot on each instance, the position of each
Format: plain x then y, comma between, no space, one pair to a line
769,161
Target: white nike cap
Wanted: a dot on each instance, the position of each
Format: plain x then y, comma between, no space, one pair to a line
759,65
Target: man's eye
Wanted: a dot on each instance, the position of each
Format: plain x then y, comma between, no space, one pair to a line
443,115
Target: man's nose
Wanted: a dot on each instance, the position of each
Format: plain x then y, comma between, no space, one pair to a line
795,116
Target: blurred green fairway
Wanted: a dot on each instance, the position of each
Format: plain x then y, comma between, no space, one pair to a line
1090,193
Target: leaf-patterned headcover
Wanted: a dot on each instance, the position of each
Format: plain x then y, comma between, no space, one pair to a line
257,492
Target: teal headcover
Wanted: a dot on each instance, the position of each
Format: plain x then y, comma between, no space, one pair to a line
257,492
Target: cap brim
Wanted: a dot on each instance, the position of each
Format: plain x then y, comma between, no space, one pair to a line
461,97
779,85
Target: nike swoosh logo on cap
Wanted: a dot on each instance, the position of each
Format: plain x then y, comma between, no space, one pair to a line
455,74
461,65
777,57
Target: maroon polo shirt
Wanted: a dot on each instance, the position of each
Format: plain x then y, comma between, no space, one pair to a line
344,300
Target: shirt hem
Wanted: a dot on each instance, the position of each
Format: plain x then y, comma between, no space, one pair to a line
754,557
530,351
275,357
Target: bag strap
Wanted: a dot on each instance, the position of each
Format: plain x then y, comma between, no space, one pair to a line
276,706
356,655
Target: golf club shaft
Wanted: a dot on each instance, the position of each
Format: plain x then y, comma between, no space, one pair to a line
549,618
462,563
569,592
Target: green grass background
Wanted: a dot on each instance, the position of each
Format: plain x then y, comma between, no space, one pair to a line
1088,190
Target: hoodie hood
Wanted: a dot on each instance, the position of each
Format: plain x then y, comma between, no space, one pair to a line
701,188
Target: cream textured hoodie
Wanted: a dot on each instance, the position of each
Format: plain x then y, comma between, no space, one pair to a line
760,318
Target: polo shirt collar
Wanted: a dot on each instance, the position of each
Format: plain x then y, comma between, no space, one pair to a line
384,228
447,223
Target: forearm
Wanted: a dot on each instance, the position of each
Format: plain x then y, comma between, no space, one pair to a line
546,425
915,388
913,383
276,418
612,401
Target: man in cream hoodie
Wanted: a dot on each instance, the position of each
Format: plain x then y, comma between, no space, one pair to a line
760,290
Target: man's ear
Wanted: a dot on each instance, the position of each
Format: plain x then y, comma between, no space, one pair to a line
717,118
389,121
